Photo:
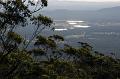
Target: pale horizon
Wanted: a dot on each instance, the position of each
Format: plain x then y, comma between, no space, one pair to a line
90,0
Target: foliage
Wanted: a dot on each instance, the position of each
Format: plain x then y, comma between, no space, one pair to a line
46,59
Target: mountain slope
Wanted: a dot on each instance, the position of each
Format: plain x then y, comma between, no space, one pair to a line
112,9
106,14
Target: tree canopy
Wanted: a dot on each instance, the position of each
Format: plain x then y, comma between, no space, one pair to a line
46,59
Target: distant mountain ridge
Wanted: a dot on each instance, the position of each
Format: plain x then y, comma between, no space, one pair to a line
117,8
106,14
74,5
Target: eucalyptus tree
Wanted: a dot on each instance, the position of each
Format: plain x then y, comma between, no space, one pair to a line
15,14
53,62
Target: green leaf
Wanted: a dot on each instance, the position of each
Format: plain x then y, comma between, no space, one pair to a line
15,37
38,52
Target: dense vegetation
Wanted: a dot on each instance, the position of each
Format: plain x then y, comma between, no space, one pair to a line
46,59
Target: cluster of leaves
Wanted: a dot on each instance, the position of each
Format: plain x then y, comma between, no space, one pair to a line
75,63
46,59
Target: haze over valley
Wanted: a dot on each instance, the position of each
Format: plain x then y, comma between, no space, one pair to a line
99,27
103,33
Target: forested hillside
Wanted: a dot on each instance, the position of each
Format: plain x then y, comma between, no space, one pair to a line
46,59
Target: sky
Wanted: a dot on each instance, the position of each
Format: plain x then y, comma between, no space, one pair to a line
88,0
81,4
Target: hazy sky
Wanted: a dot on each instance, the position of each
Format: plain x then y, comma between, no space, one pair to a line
81,4
89,0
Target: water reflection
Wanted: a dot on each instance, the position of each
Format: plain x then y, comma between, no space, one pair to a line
72,23
60,29
62,25
75,21
80,26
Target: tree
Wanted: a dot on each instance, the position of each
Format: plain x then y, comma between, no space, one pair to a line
15,14
46,59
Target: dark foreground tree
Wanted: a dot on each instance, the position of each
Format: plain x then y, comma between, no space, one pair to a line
46,59
16,14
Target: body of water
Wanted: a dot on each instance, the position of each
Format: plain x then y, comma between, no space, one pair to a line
104,37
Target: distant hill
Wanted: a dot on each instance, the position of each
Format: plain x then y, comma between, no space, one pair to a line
106,14
74,5
112,9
